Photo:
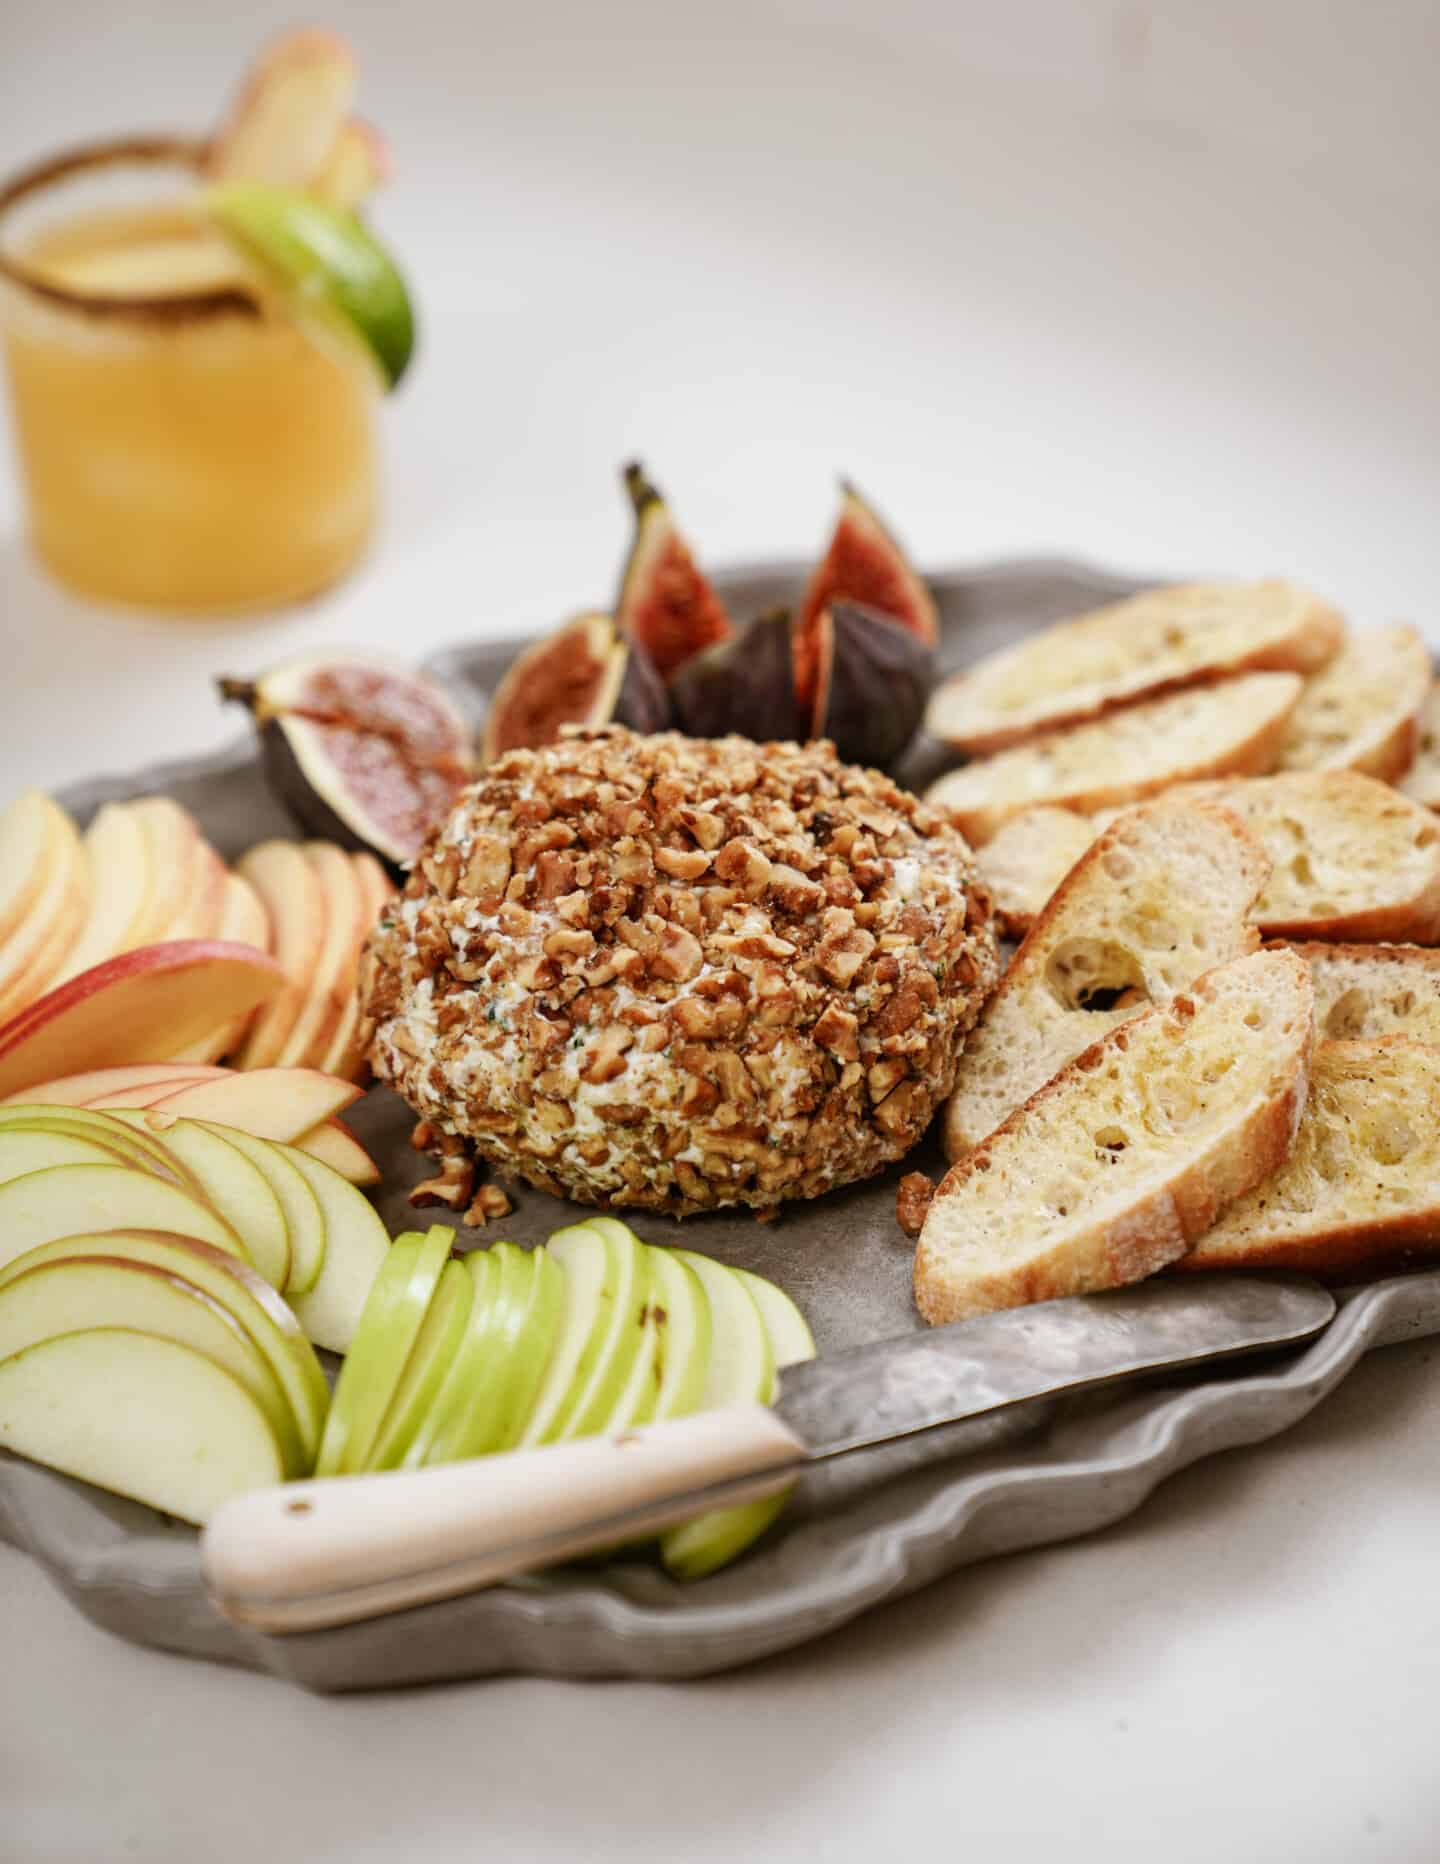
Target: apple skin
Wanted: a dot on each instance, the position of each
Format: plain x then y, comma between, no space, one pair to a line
330,986
34,832
290,890
430,1359
122,886
250,1301
82,1292
134,1008
107,1129
596,1272
685,1347
335,1145
288,110
269,1103
139,1415
78,1090
39,943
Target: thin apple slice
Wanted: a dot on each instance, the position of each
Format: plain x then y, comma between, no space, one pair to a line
135,1008
26,1149
243,921
78,1090
117,853
602,1280
233,1183
138,1415
346,1056
356,1245
292,895
33,832
625,1329
356,164
105,1129
304,1216
469,1414
40,941
244,1295
141,1098
385,1335
283,124
332,1142
330,988
634,1393
66,1199
204,906
685,1350
84,1292
172,838
439,1338
270,1103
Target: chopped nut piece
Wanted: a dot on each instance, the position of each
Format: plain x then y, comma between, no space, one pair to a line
682,863
488,868
680,956
605,1057
489,1202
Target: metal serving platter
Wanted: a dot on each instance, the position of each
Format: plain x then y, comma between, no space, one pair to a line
847,1542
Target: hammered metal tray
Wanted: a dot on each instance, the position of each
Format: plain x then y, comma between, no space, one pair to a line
880,1528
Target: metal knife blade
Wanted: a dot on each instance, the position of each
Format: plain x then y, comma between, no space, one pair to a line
896,1388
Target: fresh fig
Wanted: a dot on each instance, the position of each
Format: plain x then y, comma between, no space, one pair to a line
742,684
863,564
362,752
582,674
666,603
871,683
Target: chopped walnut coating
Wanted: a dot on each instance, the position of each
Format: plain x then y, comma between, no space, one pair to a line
913,1196
679,973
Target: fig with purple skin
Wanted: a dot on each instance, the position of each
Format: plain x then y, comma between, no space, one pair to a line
582,674
863,564
872,680
742,684
359,750
666,603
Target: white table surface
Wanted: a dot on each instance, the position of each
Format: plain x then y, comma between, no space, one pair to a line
1149,284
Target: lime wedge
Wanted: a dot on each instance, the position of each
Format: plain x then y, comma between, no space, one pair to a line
324,262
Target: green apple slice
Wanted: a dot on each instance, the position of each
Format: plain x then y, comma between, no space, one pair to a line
430,1360
384,1338
685,1329
106,1129
304,1218
139,1415
237,1188
356,1245
326,265
742,1367
25,1150
461,1419
67,1199
246,1296
601,1329
539,1300
789,1331
85,1292
634,1400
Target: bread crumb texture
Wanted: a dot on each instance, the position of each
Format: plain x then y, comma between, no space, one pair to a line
676,974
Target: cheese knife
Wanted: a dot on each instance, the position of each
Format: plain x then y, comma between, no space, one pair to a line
314,1554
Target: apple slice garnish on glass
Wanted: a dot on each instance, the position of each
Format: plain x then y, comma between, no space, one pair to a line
290,108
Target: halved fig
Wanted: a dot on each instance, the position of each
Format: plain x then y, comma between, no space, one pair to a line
582,674
741,684
360,751
666,603
863,564
872,680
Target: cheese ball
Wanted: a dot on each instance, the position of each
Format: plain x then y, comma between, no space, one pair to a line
674,974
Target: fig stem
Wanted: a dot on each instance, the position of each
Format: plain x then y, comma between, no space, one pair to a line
237,692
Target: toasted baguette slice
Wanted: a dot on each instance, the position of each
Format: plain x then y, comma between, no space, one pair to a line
1162,896
1361,712
1131,1153
1132,650
1025,860
1361,1190
1234,726
1366,991
1421,781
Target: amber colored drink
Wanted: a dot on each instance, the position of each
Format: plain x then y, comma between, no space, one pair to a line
184,444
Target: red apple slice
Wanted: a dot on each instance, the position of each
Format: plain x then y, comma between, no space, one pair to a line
292,895
172,839
245,920
335,1145
33,831
204,907
41,942
117,852
289,110
135,1008
346,1055
331,989
77,1090
269,1103
356,164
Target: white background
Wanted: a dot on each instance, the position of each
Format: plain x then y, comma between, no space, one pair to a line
1153,284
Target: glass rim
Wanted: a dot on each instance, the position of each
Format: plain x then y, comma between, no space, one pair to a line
137,308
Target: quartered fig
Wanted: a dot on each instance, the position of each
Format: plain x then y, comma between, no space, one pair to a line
742,684
360,751
863,564
872,680
582,674
666,603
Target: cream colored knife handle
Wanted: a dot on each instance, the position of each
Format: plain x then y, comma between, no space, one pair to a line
312,1554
